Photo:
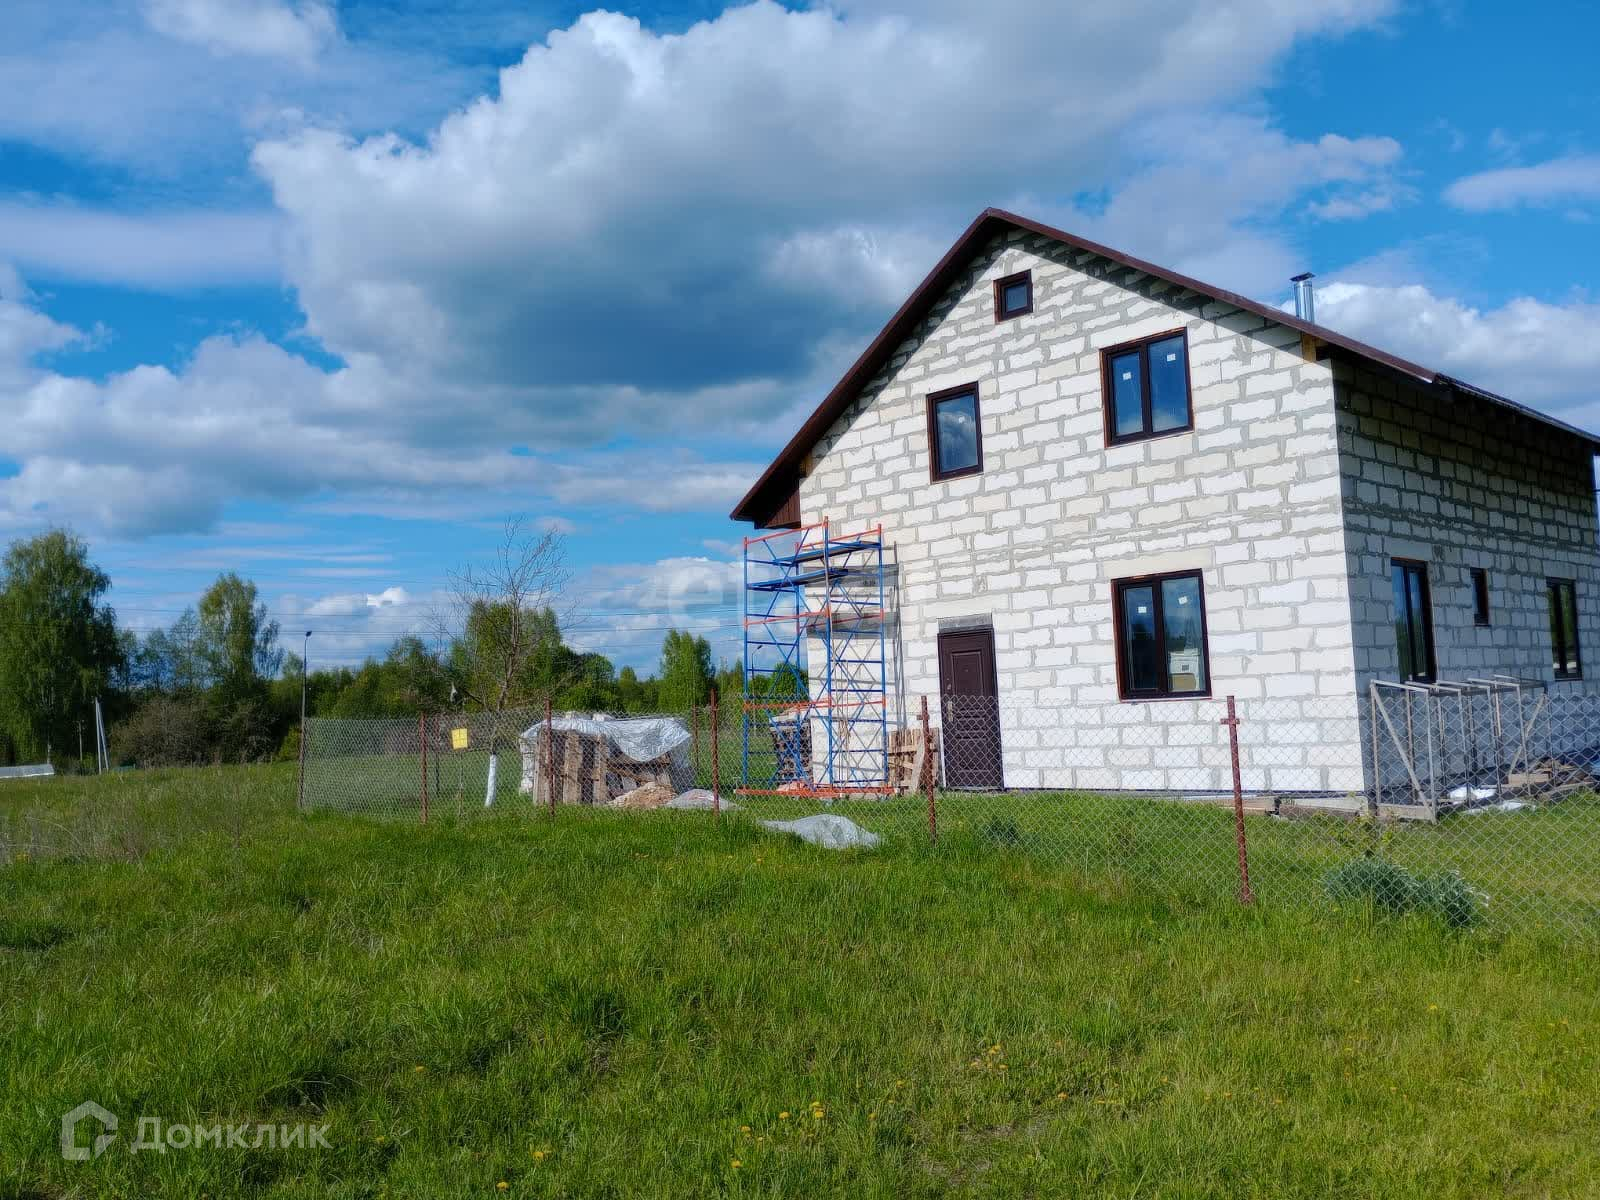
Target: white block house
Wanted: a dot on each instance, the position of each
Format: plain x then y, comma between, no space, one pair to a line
1113,494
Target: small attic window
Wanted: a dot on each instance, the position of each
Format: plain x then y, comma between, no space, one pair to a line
1013,296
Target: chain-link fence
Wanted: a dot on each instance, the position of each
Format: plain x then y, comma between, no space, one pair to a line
1475,804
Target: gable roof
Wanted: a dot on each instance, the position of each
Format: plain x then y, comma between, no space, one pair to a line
769,493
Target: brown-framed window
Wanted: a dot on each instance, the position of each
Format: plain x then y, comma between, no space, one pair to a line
1480,596
1161,636
955,437
1565,657
1413,621
1013,296
1145,385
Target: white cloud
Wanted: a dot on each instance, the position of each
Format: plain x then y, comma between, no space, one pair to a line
155,249
1533,351
691,194
24,333
676,240
1558,181
268,28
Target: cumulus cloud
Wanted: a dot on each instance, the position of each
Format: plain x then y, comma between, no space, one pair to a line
1539,353
25,332
672,239
690,194
1558,181
269,28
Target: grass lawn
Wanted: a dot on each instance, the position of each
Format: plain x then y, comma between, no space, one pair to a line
660,1005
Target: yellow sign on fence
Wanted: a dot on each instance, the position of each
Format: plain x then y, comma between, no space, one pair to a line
458,739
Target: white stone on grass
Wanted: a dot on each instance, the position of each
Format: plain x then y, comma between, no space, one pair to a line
698,800
828,830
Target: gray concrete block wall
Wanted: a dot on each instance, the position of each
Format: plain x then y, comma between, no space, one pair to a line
1251,497
1462,484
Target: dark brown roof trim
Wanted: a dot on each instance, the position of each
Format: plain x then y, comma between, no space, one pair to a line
763,499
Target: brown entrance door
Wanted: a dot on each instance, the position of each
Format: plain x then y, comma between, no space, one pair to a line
970,708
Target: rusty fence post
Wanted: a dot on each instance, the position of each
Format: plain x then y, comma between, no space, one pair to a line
1246,896
422,737
716,773
928,775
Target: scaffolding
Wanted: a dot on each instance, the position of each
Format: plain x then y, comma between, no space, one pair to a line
815,728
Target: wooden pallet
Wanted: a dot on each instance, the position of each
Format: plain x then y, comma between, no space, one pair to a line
590,771
908,759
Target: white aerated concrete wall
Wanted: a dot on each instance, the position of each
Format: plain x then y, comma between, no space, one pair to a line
1251,497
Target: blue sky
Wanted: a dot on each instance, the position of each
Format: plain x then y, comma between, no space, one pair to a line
322,292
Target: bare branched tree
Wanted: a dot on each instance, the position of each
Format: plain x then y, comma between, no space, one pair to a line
503,620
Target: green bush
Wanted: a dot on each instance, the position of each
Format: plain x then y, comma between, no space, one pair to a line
1448,896
1395,890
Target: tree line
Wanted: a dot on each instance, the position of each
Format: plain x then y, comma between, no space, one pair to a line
218,686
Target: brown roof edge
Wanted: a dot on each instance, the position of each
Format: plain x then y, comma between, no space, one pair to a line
764,497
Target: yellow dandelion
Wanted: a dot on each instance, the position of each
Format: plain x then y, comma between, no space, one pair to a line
783,1116
744,1129
736,1164
539,1155
872,1116
419,1069
1061,1095
1433,1008
502,1186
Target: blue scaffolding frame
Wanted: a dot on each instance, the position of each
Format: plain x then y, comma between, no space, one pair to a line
822,733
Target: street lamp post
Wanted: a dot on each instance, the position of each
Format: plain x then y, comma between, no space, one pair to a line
305,668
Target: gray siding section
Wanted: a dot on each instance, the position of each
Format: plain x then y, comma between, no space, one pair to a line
1457,487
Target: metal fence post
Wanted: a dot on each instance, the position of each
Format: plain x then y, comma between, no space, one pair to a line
422,737
694,738
1232,722
927,775
716,775
550,755
300,772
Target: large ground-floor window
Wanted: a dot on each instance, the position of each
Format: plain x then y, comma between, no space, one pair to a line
1566,659
1161,636
1413,621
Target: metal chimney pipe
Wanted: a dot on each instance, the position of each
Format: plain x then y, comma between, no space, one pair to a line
1305,303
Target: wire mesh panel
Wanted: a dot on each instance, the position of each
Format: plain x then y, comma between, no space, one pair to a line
372,767
1475,807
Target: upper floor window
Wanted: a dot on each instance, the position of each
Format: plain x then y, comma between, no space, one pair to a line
955,443
1566,660
1480,596
1146,386
1013,296
1413,621
1161,636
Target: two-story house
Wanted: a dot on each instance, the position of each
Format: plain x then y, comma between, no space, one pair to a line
1112,491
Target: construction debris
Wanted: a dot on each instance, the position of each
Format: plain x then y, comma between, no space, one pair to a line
598,760
650,795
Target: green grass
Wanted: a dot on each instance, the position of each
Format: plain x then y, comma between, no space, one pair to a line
626,992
